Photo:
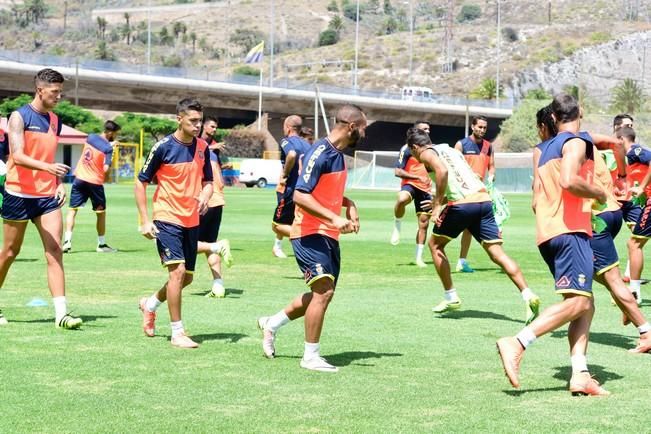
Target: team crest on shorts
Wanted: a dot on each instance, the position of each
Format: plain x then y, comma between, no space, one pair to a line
563,282
168,253
319,269
581,280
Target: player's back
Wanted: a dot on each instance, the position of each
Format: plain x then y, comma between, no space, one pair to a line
412,166
464,185
97,153
638,159
557,210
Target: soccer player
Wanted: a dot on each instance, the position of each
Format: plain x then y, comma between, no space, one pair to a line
417,186
181,164
461,203
478,152
91,171
210,222
564,195
307,134
638,182
34,191
292,148
319,198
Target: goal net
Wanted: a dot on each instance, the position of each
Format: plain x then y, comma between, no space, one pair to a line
374,170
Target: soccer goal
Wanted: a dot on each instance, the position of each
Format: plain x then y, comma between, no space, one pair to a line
374,170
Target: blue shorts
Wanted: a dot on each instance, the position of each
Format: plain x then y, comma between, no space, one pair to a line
177,245
569,258
642,228
603,243
478,218
209,224
631,212
417,195
318,257
82,191
284,213
21,209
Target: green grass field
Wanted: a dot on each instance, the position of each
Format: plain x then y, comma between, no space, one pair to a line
402,369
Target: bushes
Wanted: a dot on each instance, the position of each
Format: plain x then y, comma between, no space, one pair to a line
245,143
328,37
246,70
519,132
469,13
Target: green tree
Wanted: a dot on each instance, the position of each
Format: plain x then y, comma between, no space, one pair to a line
69,113
179,28
246,70
332,6
487,89
155,128
336,24
538,93
328,37
469,13
628,97
519,132
164,36
387,7
350,11
103,52
126,30
101,28
193,38
246,38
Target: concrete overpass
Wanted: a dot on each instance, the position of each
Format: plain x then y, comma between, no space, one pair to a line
150,93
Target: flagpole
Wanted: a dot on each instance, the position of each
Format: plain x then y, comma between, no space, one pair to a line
260,102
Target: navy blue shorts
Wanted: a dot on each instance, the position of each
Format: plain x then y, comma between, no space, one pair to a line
417,195
478,218
642,228
603,243
209,224
284,213
16,208
318,257
569,258
177,245
82,191
631,212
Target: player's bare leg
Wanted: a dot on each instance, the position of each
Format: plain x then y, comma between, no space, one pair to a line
462,264
442,265
172,293
636,257
421,236
403,200
49,228
281,231
12,241
70,226
215,264
100,225
322,292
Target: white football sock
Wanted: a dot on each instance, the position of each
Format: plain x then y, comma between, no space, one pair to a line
177,328
219,282
627,273
461,261
526,337
101,240
60,307
67,237
419,251
397,223
311,351
451,295
152,303
277,321
579,363
644,328
527,294
278,243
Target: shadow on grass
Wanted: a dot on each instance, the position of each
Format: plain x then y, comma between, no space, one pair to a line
26,260
85,318
232,338
348,357
520,392
72,252
479,314
230,292
604,338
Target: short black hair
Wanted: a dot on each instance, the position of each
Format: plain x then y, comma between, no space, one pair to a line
422,122
306,132
210,119
544,117
566,108
349,113
416,136
112,126
187,104
627,132
477,118
617,120
48,76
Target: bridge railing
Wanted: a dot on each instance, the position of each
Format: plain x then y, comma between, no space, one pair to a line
208,75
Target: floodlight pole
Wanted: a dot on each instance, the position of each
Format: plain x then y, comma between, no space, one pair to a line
356,48
411,40
499,39
271,43
148,35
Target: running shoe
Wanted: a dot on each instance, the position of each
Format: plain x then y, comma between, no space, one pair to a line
69,322
318,364
148,318
582,384
510,352
183,341
447,306
268,338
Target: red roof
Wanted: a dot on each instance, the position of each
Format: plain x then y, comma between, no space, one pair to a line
69,136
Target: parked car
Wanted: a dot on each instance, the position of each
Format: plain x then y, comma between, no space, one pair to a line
260,172
416,93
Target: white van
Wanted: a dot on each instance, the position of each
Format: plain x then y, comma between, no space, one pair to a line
415,93
260,172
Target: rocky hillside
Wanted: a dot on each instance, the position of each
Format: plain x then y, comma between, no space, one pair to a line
542,43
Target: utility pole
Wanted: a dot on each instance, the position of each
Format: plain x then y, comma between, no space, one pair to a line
411,40
271,42
356,49
499,40
148,35
447,37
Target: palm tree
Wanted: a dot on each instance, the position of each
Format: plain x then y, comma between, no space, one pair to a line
101,28
628,97
127,27
193,38
487,89
336,23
